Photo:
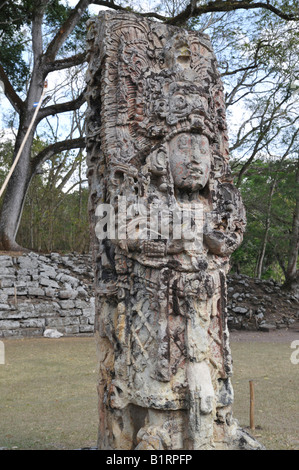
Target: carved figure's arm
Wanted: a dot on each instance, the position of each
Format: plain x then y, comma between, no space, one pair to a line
223,232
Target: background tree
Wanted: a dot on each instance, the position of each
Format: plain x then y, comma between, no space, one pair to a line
55,30
291,273
269,193
55,216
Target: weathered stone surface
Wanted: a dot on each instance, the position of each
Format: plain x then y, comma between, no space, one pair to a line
33,294
267,327
157,144
82,304
50,292
9,324
68,280
7,272
5,307
5,262
68,294
24,311
86,328
36,291
33,323
26,264
260,301
240,310
81,292
72,312
44,281
70,330
52,333
6,282
66,304
10,333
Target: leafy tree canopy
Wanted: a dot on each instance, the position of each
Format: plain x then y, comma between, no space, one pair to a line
15,21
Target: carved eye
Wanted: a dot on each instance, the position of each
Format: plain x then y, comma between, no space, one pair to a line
179,101
160,106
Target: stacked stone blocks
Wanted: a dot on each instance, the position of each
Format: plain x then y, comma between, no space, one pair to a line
39,292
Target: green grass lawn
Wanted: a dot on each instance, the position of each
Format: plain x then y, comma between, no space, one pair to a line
48,396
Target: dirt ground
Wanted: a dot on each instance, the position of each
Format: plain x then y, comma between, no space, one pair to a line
286,335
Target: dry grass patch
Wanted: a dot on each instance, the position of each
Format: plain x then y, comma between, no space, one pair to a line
276,382
48,397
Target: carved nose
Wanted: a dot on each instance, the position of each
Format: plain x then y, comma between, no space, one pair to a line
195,158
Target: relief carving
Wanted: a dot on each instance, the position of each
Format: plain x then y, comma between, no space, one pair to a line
158,156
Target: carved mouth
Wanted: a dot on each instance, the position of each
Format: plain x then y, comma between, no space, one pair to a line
194,170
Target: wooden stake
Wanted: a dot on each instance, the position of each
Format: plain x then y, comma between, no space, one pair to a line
251,388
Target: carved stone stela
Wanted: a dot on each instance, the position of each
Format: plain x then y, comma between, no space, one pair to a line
156,135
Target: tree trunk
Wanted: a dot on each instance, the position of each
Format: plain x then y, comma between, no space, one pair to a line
19,182
260,263
291,281
14,197
44,62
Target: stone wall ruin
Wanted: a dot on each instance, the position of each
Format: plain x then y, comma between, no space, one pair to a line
41,292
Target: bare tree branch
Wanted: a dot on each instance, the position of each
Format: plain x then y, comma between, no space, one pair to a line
191,11
55,148
112,5
10,93
251,66
264,127
232,98
67,192
65,30
228,5
62,107
2,3
69,173
66,62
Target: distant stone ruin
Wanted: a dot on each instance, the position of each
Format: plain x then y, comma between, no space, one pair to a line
41,292
165,218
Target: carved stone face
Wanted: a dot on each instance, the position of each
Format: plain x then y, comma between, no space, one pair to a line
190,161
